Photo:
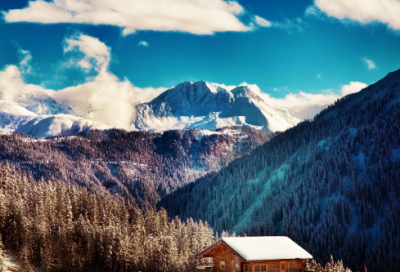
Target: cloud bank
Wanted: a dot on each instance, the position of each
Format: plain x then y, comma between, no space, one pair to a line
352,87
192,16
362,11
104,99
13,86
303,99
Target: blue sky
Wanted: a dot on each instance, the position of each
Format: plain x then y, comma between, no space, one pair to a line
282,46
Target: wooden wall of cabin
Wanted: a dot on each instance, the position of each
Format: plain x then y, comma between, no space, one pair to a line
274,266
222,253
225,257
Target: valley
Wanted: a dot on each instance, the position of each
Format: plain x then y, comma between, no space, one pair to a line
199,136
140,166
330,183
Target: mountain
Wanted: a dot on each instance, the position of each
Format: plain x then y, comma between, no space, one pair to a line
207,105
33,98
44,126
140,166
200,105
33,111
13,117
331,184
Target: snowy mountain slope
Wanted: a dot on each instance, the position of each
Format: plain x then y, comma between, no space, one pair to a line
13,117
32,97
39,103
49,125
207,105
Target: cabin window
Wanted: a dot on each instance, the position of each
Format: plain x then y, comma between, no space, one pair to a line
222,265
263,268
246,267
236,263
292,265
283,266
257,268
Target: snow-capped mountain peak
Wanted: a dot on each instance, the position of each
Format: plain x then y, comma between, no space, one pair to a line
209,105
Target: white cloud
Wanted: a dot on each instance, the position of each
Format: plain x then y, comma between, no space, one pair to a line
12,84
301,105
319,75
261,21
104,99
290,25
143,44
96,53
363,11
25,59
370,63
313,10
306,105
301,99
352,87
226,87
284,89
193,16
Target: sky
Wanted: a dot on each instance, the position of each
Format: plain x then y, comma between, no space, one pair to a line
290,49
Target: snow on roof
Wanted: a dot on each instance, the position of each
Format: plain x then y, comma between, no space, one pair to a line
266,248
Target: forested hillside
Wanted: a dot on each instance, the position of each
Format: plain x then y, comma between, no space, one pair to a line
139,166
332,184
61,227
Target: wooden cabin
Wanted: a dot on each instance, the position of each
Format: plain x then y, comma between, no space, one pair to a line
256,254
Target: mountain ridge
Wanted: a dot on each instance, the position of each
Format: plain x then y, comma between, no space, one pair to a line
200,104
207,105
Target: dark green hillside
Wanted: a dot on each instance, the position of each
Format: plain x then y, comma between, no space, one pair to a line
332,184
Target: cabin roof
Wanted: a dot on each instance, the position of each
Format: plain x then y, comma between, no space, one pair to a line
260,248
